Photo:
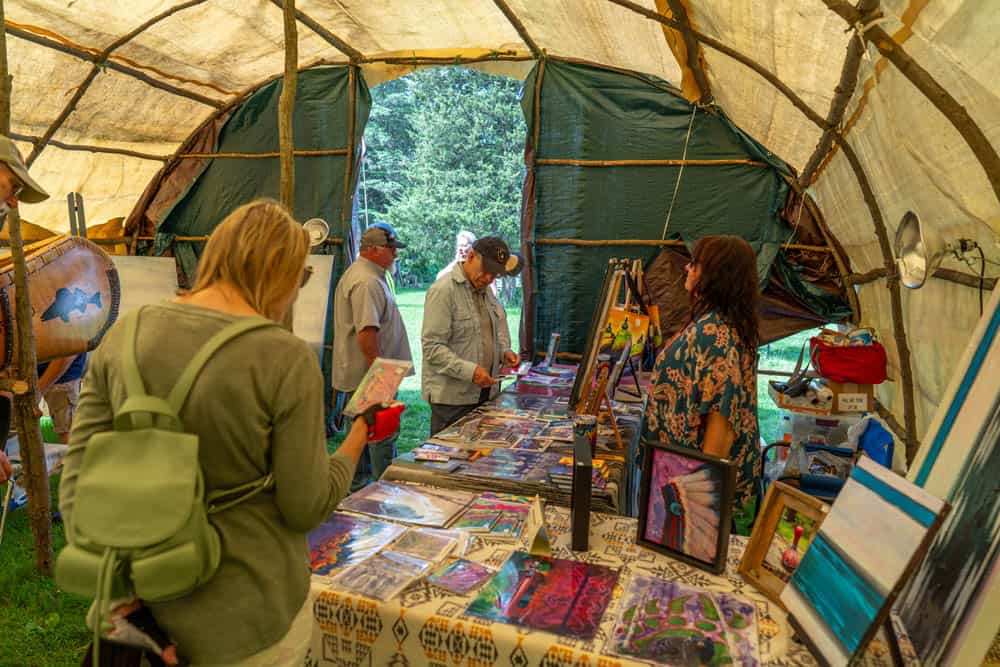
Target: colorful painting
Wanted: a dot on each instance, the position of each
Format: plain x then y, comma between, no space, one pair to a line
624,329
431,546
519,465
740,617
560,596
877,530
377,577
668,623
344,540
687,497
460,576
417,505
379,385
789,543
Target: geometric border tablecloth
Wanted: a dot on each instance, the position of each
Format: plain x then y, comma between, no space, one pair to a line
425,625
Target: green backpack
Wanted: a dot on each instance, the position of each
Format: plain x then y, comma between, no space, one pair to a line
140,514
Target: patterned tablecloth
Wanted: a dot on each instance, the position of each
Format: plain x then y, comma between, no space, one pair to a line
425,625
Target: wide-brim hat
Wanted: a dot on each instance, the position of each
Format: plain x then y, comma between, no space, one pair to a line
32,192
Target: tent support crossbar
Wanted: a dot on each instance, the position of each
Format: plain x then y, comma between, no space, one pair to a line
692,49
328,37
111,64
519,27
560,162
935,93
656,243
949,275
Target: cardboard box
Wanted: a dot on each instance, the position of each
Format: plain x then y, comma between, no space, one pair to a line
848,397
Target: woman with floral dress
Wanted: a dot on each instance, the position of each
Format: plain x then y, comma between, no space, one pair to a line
704,391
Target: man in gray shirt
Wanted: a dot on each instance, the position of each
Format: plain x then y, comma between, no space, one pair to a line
367,324
465,336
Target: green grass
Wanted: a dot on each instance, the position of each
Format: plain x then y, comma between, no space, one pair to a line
780,355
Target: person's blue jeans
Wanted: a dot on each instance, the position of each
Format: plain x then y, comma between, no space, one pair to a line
375,458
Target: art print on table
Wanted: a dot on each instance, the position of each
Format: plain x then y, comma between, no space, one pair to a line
740,617
378,577
460,576
417,505
785,527
560,596
667,623
379,385
424,544
344,540
686,505
877,531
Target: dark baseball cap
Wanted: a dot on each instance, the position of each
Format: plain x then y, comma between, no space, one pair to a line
497,257
381,234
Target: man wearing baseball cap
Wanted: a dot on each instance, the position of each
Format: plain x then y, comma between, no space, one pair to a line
15,185
367,324
465,336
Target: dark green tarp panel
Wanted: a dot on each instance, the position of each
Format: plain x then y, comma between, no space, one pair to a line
594,114
320,122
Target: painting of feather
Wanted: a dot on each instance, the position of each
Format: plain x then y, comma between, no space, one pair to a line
878,530
686,500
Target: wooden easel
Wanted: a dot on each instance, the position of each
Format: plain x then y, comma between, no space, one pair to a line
596,402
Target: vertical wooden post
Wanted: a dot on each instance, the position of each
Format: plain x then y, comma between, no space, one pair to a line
286,107
352,100
25,409
528,220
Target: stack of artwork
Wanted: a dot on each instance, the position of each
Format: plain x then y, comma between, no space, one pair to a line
496,515
379,385
408,503
519,465
878,529
343,540
460,576
667,623
561,596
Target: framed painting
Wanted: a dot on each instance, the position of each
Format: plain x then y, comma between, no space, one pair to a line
786,525
877,531
686,504
950,610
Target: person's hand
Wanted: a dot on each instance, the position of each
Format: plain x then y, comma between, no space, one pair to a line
6,470
482,377
511,358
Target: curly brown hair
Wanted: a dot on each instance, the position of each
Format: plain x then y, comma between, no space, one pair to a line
728,284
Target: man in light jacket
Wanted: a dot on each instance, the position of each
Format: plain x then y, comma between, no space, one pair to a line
465,336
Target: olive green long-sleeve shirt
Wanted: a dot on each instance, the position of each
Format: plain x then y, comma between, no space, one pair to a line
257,407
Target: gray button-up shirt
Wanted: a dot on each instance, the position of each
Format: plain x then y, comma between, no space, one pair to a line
453,340
363,299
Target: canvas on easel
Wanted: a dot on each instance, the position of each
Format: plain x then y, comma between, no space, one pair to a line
609,290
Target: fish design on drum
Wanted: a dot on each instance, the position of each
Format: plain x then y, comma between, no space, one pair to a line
67,301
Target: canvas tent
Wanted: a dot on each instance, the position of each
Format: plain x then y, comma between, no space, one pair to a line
118,100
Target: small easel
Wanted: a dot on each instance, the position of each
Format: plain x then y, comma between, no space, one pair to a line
633,278
596,402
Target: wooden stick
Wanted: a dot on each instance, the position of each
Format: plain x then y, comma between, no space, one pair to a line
838,105
649,163
692,49
935,93
88,148
519,27
510,56
257,156
658,242
83,54
286,108
948,275
125,240
528,221
25,412
346,209
327,36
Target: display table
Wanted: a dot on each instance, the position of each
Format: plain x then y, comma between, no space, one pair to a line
425,625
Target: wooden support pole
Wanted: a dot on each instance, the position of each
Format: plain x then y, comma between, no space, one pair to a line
519,27
692,49
948,275
347,208
286,108
328,37
25,409
936,94
656,243
528,219
564,162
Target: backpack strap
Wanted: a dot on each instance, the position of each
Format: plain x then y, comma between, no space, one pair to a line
178,395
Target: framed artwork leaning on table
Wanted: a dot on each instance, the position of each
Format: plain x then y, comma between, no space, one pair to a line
786,526
685,506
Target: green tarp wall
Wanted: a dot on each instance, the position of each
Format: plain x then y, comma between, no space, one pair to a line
320,122
589,113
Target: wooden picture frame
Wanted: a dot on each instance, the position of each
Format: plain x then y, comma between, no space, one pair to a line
755,566
673,468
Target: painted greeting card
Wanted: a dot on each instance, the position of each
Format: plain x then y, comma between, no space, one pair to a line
460,576
740,617
551,594
377,577
344,540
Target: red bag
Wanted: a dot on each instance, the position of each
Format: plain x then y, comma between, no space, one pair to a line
859,364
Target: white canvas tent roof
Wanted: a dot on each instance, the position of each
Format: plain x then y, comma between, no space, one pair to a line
181,62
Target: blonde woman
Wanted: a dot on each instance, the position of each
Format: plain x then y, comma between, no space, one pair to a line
257,407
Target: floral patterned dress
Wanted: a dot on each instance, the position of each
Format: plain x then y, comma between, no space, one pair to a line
705,368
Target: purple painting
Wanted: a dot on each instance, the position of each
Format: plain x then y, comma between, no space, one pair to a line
685,497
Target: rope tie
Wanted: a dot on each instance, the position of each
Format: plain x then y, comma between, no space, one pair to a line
680,172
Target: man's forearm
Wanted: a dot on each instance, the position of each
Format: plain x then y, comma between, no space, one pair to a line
368,342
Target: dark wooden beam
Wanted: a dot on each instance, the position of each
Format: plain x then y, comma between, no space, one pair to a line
935,93
693,49
519,27
328,37
949,275
89,56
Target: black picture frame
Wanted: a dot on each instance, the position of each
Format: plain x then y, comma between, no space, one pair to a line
723,470
585,371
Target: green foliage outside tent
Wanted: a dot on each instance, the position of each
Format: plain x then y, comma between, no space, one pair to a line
444,152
